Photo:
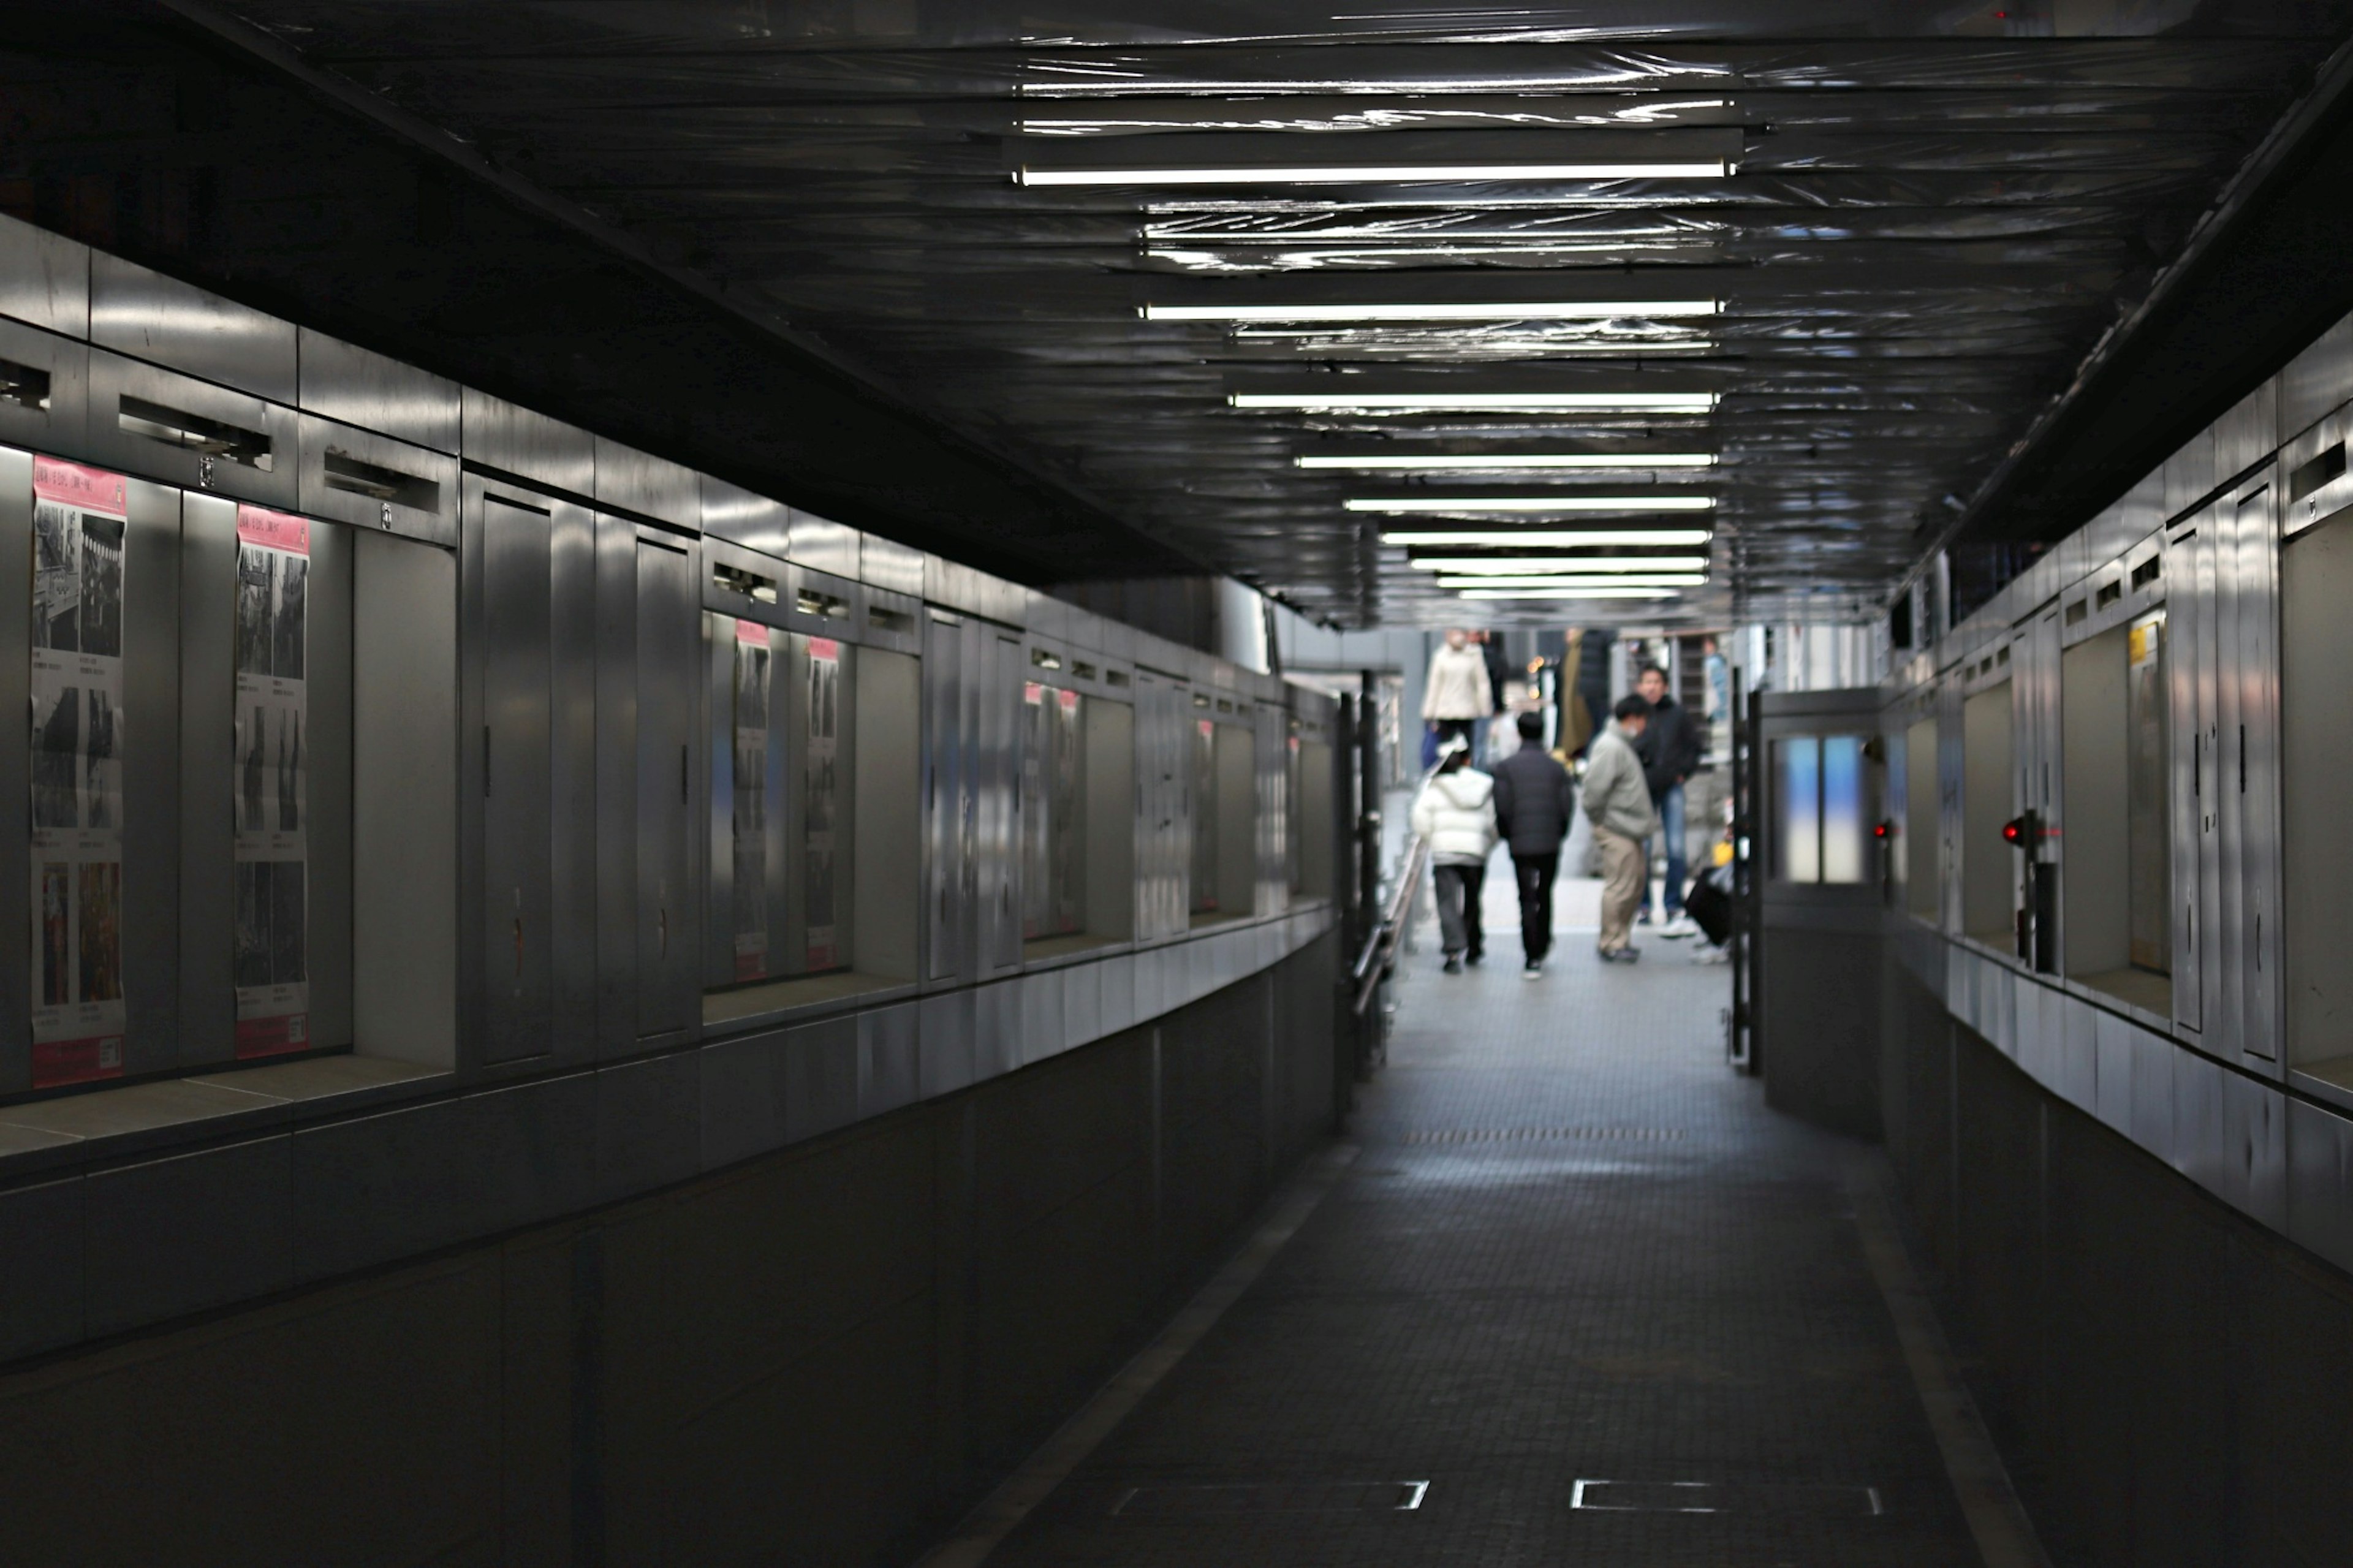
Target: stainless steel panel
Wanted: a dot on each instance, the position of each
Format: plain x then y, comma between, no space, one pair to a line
895,568
996,1028
2318,380
353,386
510,547
16,765
999,879
44,390
1042,1028
648,486
886,856
373,481
148,316
668,929
2200,1145
2255,680
892,621
41,1250
2254,1131
328,662
888,1058
948,800
2074,1024
44,279
2248,433
752,520
648,1124
190,433
500,435
824,605
820,1077
821,720
824,546
150,749
2189,474
744,859
2113,1042
2321,1182
2152,1092
1118,979
207,805
2189,626
409,859
1083,1008
946,1043
746,584
171,1237
571,591
744,1095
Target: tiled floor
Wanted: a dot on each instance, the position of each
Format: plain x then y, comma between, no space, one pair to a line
1574,1248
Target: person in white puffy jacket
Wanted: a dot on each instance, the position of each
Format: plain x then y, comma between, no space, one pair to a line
1456,814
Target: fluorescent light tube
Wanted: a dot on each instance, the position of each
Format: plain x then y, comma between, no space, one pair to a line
1608,592
1471,462
1546,538
1530,503
1561,580
1374,174
1522,565
1554,311
1481,402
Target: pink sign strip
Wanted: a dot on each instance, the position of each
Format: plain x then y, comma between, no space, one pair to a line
273,530
94,489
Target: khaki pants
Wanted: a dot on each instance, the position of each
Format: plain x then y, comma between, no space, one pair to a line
1624,875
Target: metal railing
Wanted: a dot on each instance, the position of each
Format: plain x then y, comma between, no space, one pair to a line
1379,951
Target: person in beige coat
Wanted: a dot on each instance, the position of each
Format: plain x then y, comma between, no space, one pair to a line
1618,803
1455,693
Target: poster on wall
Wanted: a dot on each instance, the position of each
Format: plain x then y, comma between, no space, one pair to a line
750,824
823,949
271,962
80,519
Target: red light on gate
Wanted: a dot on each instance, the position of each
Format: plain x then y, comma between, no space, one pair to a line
1884,830
2013,830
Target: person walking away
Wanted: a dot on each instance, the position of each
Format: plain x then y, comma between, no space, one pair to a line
1535,798
1454,695
1491,653
1455,812
1618,805
1670,752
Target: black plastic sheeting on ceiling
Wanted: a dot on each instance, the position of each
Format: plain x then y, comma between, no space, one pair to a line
1937,209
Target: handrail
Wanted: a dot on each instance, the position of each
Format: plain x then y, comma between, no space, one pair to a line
1380,943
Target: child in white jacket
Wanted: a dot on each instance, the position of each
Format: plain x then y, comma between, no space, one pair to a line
1455,812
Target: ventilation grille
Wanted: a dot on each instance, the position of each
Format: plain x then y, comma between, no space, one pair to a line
1547,1135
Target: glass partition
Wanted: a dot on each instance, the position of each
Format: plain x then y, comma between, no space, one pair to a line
2115,889
1820,831
1990,866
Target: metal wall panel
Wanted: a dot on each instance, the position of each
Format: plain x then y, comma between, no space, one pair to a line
669,622
44,279
2254,680
373,481
509,558
752,520
820,722
648,486
44,389
2247,434
150,749
744,859
353,386
16,764
948,799
892,621
500,435
208,913
893,567
823,545
824,605
2189,568
2254,1133
2317,381
141,420
328,662
2189,474
571,591
999,778
148,316
2321,1182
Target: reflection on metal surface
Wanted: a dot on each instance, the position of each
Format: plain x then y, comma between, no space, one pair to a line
1727,1497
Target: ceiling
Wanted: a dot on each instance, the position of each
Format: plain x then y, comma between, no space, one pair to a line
1866,243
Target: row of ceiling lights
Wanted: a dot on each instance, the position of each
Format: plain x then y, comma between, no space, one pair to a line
1467,156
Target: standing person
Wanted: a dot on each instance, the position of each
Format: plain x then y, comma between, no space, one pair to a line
1456,812
1618,804
1454,695
1670,752
1534,801
1490,651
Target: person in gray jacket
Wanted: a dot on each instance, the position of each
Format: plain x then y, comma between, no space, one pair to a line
1618,803
1535,798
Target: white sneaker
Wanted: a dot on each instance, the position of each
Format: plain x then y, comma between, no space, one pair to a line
1531,970
1682,926
1711,954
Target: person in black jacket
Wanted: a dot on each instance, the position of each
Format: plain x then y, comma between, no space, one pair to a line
1669,751
1533,799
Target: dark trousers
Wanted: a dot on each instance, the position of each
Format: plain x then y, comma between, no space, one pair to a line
1459,888
1451,729
1536,873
